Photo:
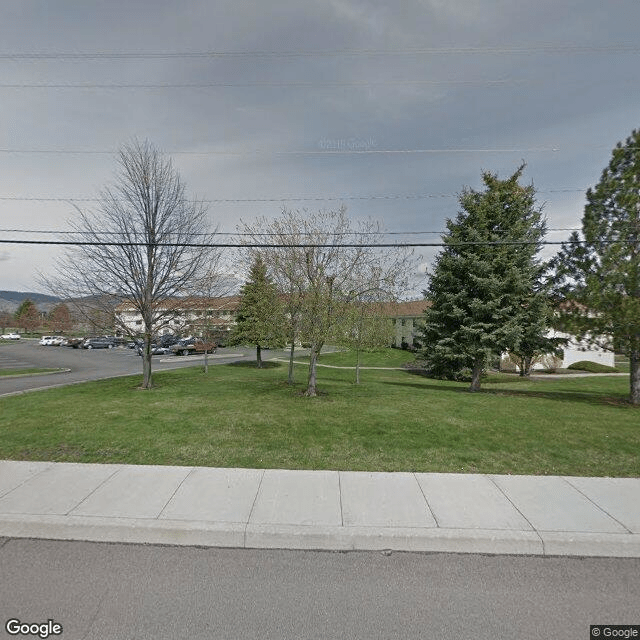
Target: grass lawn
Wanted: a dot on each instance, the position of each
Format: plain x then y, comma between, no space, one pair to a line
622,363
26,371
239,416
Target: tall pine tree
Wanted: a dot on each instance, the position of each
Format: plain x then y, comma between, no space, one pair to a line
260,319
598,276
483,279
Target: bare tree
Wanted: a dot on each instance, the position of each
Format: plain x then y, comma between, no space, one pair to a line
145,245
283,260
59,319
367,325
324,267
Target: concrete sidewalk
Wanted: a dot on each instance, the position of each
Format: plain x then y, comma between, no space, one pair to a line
332,510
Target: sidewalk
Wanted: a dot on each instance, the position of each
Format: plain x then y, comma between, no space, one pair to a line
542,515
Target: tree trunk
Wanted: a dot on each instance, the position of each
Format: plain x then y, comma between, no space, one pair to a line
206,361
146,362
525,368
634,375
358,367
258,357
476,374
313,361
290,378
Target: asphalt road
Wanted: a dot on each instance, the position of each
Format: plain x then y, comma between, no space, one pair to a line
93,364
115,591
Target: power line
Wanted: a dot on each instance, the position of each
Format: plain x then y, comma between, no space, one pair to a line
383,196
252,234
302,246
303,152
277,83
150,55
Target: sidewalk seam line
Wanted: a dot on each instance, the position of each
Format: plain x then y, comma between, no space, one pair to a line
597,505
174,493
35,475
253,505
98,487
499,488
433,515
340,498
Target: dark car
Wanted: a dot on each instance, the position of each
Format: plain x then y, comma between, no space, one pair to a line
167,340
191,346
156,350
98,343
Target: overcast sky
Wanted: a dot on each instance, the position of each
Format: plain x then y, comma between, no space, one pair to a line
391,110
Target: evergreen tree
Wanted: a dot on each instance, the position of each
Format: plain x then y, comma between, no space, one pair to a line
597,277
260,319
534,341
27,315
483,279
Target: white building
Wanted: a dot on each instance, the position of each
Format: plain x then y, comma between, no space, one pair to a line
194,316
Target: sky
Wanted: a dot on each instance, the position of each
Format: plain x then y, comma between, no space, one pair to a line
388,108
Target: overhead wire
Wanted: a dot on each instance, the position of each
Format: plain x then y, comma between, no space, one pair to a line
311,152
250,234
150,55
383,196
311,245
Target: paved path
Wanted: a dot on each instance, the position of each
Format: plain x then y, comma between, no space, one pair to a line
329,510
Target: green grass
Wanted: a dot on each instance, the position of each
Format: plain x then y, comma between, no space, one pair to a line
382,358
622,363
239,416
25,371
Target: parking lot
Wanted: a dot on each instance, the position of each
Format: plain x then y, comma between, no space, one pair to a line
81,365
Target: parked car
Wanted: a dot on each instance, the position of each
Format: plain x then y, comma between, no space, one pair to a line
192,346
75,343
51,341
156,350
167,340
11,336
97,343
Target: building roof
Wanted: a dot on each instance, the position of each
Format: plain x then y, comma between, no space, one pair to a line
224,303
407,309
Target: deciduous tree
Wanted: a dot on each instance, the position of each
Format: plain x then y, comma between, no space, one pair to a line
59,319
323,264
147,243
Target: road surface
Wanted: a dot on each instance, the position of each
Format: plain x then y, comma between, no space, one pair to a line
114,591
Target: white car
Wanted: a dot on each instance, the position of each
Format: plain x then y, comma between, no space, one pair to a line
51,341
11,336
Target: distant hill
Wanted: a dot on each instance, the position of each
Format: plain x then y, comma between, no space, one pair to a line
10,300
19,296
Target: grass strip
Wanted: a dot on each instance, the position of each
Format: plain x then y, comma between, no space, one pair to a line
26,371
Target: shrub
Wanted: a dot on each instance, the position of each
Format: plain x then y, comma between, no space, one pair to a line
592,367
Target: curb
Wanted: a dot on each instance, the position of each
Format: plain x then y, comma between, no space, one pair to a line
319,538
